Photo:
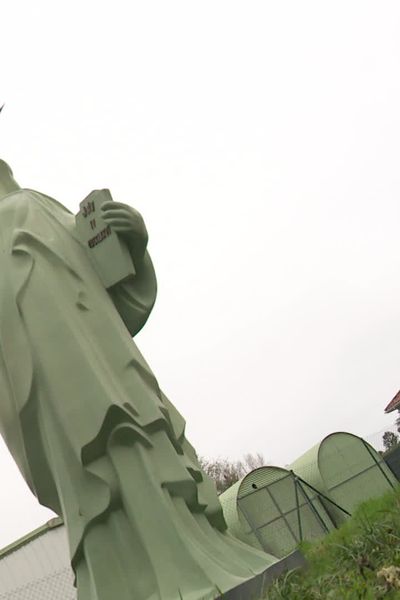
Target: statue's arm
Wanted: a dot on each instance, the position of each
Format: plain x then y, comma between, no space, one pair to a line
135,297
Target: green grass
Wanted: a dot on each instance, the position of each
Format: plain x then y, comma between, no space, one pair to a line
359,561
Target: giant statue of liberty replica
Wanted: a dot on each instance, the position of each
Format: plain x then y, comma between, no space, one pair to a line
84,418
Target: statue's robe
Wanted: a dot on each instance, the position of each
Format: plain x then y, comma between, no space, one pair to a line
86,422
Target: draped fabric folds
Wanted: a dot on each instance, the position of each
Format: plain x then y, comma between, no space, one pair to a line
93,435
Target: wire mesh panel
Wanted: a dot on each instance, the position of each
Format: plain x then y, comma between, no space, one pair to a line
314,518
284,493
352,470
255,506
312,527
280,513
38,569
359,488
346,470
341,457
277,538
58,586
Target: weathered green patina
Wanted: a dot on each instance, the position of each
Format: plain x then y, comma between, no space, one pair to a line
84,418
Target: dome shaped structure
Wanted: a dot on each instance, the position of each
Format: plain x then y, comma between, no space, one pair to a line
272,510
347,469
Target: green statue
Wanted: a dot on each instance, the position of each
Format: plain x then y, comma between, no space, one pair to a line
84,418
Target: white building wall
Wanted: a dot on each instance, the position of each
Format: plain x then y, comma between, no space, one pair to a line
38,570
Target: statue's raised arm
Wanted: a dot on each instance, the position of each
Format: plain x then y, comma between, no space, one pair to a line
134,298
115,237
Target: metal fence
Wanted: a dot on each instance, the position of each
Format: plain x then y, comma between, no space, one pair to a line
38,568
282,513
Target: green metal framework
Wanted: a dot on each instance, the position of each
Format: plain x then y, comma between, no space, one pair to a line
346,470
272,509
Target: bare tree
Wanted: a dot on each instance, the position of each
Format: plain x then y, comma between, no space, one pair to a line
390,440
226,472
253,461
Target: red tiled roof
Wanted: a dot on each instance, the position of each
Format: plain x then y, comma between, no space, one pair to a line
393,404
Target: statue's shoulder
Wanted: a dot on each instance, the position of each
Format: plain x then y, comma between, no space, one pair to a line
24,196
46,201
14,203
26,207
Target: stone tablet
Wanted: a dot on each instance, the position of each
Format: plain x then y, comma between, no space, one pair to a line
108,253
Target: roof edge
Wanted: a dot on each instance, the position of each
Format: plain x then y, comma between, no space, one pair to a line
394,404
29,537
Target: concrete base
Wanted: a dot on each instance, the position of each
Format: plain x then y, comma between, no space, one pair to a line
255,589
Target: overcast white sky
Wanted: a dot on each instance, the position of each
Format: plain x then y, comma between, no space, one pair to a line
261,142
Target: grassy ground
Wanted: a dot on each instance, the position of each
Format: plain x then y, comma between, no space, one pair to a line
359,561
